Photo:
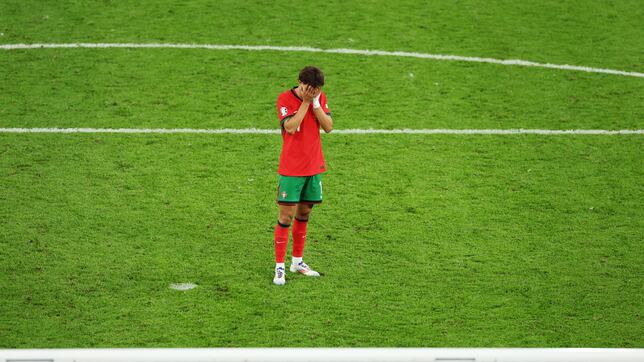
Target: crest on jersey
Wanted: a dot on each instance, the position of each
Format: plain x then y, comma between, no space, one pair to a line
284,111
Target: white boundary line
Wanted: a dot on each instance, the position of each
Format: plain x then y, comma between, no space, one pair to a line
524,63
327,354
339,131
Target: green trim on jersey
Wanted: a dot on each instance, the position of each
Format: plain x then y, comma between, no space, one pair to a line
296,189
286,119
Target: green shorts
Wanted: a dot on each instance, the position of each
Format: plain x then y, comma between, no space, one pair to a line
295,189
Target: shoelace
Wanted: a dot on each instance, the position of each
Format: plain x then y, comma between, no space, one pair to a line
280,272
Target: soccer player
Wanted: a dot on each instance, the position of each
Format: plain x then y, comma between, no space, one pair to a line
302,111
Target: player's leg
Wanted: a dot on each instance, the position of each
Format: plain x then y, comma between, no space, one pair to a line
281,241
288,195
299,239
311,194
281,232
302,213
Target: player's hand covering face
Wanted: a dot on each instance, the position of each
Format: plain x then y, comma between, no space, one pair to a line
308,92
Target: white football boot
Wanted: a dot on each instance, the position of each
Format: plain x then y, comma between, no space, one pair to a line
280,276
304,269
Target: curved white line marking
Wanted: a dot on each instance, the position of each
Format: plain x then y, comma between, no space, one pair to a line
524,63
339,131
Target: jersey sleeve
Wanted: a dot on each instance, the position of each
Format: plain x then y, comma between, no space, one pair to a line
285,109
324,104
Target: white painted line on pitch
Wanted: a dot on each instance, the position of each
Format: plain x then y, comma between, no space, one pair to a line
338,131
140,130
523,63
325,354
183,286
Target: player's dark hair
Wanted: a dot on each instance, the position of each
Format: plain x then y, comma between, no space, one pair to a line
312,76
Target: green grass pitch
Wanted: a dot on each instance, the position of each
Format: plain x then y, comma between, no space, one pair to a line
450,240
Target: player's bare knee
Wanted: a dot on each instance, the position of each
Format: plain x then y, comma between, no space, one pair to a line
286,216
286,219
303,212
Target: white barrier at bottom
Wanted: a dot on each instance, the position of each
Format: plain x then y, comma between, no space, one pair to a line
325,355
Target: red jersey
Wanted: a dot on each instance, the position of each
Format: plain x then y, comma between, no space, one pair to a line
301,151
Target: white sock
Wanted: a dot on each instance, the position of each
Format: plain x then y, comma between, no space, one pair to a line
279,265
296,260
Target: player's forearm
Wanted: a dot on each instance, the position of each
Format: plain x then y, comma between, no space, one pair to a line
290,126
326,122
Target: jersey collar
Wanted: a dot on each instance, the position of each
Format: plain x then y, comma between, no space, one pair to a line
295,94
